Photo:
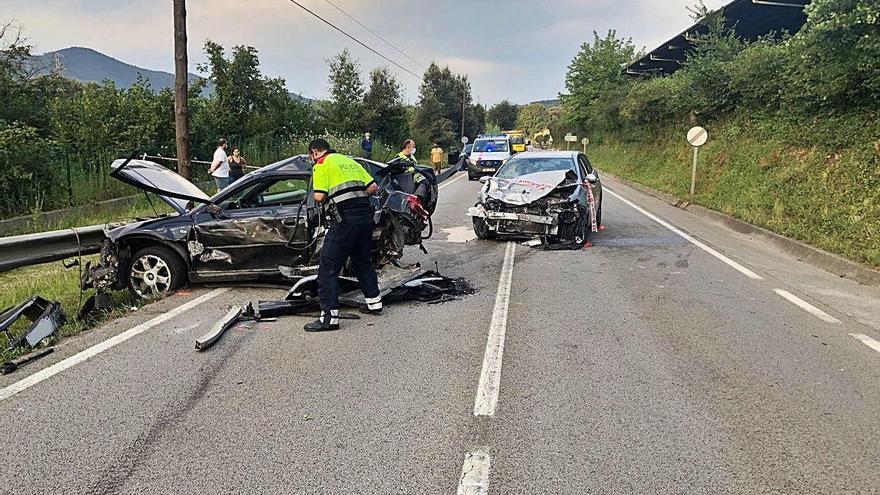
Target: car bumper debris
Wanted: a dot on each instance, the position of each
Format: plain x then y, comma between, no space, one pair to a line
45,317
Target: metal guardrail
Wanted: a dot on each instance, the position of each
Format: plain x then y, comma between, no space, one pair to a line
44,247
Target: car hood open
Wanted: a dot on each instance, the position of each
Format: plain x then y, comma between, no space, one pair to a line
525,188
152,177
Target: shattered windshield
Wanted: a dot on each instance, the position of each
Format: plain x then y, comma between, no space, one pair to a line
523,166
490,146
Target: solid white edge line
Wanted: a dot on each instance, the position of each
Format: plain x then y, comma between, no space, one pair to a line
733,264
474,479
100,347
868,341
441,186
490,376
809,308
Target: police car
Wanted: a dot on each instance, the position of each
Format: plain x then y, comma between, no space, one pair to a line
488,154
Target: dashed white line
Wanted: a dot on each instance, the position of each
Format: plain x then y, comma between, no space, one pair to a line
809,308
96,349
868,341
490,376
474,479
736,266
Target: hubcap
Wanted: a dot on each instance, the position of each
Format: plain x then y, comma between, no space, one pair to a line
150,276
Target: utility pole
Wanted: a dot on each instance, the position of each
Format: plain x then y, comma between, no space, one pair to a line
463,96
181,90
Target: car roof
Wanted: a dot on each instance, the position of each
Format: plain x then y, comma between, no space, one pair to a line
548,154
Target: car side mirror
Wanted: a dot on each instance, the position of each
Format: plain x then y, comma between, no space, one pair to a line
484,179
592,178
216,211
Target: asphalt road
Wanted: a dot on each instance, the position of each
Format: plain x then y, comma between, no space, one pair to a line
644,364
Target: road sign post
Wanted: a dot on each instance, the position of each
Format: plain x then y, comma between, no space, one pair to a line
570,138
696,137
585,142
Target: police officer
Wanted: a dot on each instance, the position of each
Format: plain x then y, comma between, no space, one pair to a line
345,187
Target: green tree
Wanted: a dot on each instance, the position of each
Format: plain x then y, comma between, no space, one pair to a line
443,96
503,114
384,112
245,102
533,118
346,95
595,70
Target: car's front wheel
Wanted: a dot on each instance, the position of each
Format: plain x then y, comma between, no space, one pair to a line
155,271
481,228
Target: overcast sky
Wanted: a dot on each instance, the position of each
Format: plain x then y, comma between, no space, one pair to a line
514,49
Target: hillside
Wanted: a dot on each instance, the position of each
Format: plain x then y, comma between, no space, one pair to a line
87,65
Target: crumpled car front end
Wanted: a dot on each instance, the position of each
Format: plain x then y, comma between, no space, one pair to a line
553,206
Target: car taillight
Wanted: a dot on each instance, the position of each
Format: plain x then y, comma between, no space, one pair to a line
415,204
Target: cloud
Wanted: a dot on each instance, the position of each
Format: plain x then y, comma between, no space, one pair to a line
530,42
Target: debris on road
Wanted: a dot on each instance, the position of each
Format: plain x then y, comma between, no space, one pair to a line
45,317
219,328
403,286
10,366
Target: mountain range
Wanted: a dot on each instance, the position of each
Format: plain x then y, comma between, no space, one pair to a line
88,65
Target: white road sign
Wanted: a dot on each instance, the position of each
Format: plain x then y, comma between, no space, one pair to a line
697,136
585,141
571,139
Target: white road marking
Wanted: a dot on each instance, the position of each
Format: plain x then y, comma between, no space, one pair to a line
809,308
460,234
745,271
490,376
450,182
474,478
868,341
96,349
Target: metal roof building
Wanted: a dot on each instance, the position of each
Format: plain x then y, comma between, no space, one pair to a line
751,19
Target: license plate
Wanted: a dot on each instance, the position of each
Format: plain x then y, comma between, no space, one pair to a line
488,170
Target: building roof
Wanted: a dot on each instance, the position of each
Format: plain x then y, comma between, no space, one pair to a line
751,19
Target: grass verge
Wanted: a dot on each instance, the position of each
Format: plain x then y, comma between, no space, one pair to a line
826,197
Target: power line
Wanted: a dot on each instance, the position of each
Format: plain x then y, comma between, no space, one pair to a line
359,23
325,21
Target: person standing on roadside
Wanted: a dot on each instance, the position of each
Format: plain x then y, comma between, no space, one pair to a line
437,158
367,146
236,165
220,166
345,187
408,154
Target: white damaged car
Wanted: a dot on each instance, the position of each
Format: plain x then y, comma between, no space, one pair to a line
552,195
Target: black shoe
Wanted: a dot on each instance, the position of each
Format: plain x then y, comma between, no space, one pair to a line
367,311
319,326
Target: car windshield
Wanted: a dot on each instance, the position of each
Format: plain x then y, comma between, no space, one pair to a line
490,145
517,167
517,140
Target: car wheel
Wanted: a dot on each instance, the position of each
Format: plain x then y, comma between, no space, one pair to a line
471,176
481,228
155,271
599,215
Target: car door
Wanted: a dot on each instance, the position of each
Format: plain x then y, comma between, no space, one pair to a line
257,227
588,170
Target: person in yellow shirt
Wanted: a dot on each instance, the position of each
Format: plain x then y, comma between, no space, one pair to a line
437,157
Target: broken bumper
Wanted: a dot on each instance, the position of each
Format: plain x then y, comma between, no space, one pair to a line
505,222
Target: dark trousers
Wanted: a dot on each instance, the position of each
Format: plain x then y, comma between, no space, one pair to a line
353,238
